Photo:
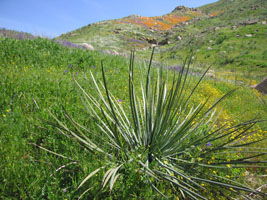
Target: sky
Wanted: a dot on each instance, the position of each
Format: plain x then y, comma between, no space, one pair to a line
52,18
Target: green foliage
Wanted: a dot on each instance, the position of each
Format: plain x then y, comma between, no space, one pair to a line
163,141
42,53
220,39
32,81
225,32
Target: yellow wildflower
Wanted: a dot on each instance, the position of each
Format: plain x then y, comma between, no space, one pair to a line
4,115
166,162
7,110
229,166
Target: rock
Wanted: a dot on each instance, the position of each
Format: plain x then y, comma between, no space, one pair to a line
249,35
133,16
88,46
211,73
179,38
250,22
183,8
209,48
234,27
114,52
180,8
210,41
263,22
237,35
217,28
262,86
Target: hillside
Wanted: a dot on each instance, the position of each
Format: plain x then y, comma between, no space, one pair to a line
37,77
129,32
233,36
228,34
77,122
15,34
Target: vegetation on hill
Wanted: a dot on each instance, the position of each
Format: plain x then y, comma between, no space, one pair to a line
130,32
230,35
52,148
37,75
15,34
230,40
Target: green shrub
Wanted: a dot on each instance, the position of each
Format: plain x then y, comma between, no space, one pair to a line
220,39
162,141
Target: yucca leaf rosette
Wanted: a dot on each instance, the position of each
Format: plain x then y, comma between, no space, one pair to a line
169,140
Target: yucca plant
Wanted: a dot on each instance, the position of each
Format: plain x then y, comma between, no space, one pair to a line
169,141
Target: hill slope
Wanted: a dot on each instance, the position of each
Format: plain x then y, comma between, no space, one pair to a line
228,34
132,31
233,37
15,34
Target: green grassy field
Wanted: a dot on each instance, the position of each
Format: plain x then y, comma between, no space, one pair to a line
37,76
